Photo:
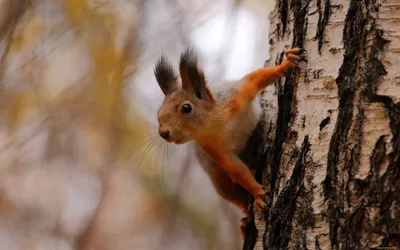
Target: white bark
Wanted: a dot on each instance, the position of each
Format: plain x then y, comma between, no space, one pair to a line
336,165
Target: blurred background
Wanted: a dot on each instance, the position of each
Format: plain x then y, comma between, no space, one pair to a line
81,165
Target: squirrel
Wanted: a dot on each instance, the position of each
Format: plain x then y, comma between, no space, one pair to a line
218,119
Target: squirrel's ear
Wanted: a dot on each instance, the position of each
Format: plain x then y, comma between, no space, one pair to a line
165,75
192,77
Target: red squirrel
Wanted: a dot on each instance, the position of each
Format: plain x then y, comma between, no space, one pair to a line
218,121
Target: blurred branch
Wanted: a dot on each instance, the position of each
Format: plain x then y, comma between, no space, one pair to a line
108,116
12,12
70,96
108,80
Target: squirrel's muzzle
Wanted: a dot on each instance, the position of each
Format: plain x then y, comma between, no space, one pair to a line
164,134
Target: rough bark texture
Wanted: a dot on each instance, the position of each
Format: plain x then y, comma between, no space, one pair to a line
331,157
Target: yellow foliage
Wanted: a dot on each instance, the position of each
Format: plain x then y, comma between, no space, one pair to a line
109,66
108,111
17,106
28,33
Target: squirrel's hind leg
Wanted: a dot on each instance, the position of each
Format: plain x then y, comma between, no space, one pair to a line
229,190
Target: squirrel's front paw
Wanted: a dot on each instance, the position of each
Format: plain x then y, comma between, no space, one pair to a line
295,56
259,195
259,204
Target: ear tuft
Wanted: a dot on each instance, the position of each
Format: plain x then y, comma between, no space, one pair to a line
165,75
192,76
188,59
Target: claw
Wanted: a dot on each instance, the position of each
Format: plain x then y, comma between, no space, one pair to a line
260,205
295,51
301,50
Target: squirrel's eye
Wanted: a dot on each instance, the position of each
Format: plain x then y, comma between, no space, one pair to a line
186,108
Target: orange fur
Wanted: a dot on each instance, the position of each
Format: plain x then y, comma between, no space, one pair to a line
257,80
237,171
229,190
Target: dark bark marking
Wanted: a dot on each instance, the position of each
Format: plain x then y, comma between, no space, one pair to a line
300,9
383,190
389,189
324,122
285,91
353,37
374,67
334,51
251,233
303,121
317,245
254,156
371,191
317,73
285,94
282,213
254,153
285,98
304,215
322,21
283,11
374,189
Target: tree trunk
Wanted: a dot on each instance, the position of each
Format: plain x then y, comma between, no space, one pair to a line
331,160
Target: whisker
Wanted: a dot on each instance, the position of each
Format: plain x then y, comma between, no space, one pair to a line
151,124
149,134
147,107
151,138
162,153
167,158
159,146
148,137
154,151
151,129
165,145
149,147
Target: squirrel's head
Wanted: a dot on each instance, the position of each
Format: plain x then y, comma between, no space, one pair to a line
185,111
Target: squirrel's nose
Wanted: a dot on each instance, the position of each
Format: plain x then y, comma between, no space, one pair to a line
164,134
